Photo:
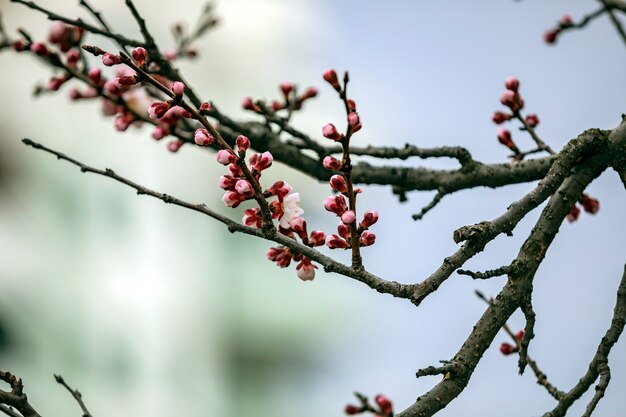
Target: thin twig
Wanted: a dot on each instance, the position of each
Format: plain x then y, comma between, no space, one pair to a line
503,270
76,394
330,265
599,360
436,199
82,24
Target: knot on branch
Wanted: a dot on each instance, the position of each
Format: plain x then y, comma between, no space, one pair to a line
472,232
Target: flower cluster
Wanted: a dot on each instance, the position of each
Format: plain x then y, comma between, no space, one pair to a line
564,23
512,99
382,408
291,100
343,203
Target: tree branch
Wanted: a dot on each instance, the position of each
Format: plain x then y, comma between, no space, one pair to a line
516,291
16,398
383,286
599,363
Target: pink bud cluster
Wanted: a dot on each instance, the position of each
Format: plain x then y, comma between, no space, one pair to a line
551,35
338,204
589,204
64,36
329,130
290,99
512,99
383,408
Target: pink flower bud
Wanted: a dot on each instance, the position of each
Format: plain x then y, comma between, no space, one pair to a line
19,46
178,88
182,112
227,182
158,109
286,88
550,36
174,145
504,137
512,84
56,32
353,119
351,105
109,59
519,335
109,108
335,242
572,216
298,225
206,106
159,133
330,131
140,55
235,171
370,217
309,93
353,409
110,87
122,123
95,75
507,348
500,117
532,120
125,81
338,183
39,48
202,137
317,238
73,56
225,157
261,161
243,143
336,204
75,94
368,238
566,20
348,217
248,104
384,403
277,105
591,205
512,100
233,199
331,163
170,55
244,188
280,189
305,270
252,218
54,84
331,78
344,230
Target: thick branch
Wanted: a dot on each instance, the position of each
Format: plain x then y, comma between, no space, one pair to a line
519,285
16,398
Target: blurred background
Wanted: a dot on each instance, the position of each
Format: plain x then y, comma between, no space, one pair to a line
151,310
